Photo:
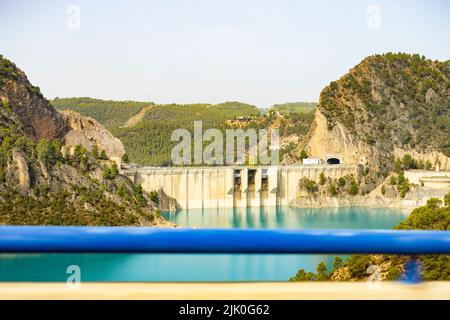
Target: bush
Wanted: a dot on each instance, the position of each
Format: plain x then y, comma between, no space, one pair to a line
322,178
310,185
110,173
303,154
48,152
434,203
357,265
333,190
393,181
154,196
322,272
447,199
393,273
103,155
337,263
139,195
302,275
341,181
354,189
383,190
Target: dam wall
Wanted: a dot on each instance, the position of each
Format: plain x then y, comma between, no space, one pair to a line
232,187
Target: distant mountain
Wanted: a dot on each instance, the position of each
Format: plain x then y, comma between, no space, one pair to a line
386,106
294,107
55,168
110,113
145,128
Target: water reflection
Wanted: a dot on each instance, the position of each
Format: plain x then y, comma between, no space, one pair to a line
207,267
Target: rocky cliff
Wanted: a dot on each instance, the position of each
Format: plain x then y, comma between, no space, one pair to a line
38,117
89,132
40,184
384,107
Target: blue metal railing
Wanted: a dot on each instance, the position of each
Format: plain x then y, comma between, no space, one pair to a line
181,240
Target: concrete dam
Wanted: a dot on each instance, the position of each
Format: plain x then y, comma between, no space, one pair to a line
232,187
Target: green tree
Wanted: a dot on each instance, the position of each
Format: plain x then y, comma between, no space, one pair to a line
407,162
94,151
114,170
322,272
322,178
357,265
393,181
447,199
341,182
103,155
310,185
302,275
154,196
106,173
354,189
337,263
434,203
122,191
303,154
125,158
46,152
393,273
383,190
139,195
333,190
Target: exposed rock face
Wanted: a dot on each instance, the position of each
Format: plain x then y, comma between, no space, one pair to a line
89,132
42,186
386,106
337,141
166,203
38,117
18,171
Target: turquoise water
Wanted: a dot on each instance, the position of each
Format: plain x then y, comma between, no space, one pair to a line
208,267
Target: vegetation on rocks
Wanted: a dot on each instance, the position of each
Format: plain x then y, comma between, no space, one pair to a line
43,181
410,90
434,216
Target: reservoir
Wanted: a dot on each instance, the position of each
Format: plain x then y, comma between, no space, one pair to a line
204,267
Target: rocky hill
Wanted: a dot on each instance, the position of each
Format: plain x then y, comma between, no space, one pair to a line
385,107
56,168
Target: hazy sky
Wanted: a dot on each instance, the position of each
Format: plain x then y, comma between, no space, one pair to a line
260,52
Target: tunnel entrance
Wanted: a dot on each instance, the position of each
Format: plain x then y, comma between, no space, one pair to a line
333,161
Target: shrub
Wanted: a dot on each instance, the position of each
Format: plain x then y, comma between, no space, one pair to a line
383,190
322,272
303,154
337,263
302,275
103,155
48,152
357,265
354,189
154,196
393,181
310,185
447,199
341,181
322,178
333,190
393,273
139,195
434,203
